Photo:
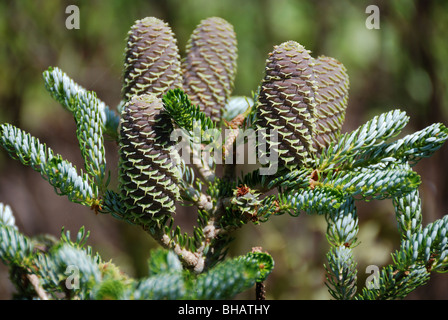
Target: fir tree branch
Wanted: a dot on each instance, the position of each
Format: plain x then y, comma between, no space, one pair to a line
184,114
374,182
428,247
415,146
61,174
92,117
67,92
408,212
6,215
410,149
15,248
342,224
294,179
83,265
321,172
162,286
421,252
342,229
195,126
371,134
341,273
312,201
233,276
90,136
395,283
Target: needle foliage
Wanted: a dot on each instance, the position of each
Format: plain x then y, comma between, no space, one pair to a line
305,164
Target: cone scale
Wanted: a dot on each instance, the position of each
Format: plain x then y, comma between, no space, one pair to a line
304,100
152,62
332,99
286,102
148,179
210,65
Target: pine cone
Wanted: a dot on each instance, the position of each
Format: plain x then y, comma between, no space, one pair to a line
148,177
332,98
210,66
287,102
152,63
245,200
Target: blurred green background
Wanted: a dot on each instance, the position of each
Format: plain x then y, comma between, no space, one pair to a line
401,65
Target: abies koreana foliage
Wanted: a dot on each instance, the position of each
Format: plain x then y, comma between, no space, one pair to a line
306,164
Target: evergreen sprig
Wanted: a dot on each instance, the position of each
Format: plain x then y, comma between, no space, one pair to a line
67,92
169,286
186,115
320,171
233,276
70,268
90,136
375,182
371,134
315,201
413,147
342,230
60,173
342,224
84,267
408,211
394,284
422,251
15,248
341,273
368,144
428,247
6,216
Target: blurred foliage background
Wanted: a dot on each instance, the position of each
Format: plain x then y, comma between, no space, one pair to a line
401,65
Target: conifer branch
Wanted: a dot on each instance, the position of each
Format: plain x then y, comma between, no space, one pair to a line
61,174
66,91
319,171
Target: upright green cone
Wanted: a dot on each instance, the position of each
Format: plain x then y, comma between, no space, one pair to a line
304,100
148,177
152,63
332,99
210,66
286,102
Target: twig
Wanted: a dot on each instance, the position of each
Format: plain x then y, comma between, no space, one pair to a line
260,291
260,288
234,125
203,168
34,280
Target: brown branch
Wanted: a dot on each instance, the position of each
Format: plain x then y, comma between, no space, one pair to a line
34,280
260,291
